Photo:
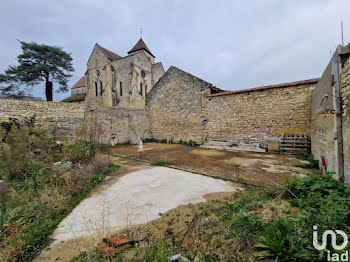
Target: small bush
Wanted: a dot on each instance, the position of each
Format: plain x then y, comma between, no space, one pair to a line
159,252
80,150
162,163
280,242
99,164
24,143
150,140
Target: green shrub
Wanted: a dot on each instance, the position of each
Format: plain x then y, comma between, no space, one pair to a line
280,242
80,150
162,163
159,252
22,144
150,140
7,126
246,226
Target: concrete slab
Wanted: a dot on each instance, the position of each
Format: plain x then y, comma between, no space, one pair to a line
137,198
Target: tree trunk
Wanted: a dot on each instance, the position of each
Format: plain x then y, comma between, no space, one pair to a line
48,90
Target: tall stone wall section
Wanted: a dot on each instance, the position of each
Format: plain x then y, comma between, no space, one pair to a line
322,120
61,118
345,88
177,107
116,126
257,116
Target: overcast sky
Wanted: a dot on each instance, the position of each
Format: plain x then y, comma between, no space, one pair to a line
232,44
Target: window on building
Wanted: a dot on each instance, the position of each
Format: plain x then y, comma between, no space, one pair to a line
101,90
141,89
96,91
145,89
121,88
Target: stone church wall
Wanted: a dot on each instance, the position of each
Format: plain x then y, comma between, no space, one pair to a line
63,118
261,115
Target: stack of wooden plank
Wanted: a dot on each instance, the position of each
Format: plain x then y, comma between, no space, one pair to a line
294,143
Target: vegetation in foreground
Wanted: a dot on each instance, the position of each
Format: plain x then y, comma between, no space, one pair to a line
35,194
274,224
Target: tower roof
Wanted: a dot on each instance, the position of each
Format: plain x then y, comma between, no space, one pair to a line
140,45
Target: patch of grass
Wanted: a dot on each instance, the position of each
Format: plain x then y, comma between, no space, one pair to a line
162,163
314,164
29,220
189,143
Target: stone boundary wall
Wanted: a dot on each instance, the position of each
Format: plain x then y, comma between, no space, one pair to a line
58,117
345,89
118,125
260,115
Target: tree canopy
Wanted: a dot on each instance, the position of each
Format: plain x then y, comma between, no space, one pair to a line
37,63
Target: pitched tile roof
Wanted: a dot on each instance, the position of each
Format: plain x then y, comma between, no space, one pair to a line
140,45
80,83
110,54
75,98
296,83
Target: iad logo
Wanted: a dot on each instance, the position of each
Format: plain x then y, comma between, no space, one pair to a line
335,256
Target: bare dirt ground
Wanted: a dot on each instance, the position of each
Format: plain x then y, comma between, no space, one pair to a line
136,194
259,168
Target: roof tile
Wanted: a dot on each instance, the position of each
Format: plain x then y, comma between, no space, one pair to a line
80,83
140,45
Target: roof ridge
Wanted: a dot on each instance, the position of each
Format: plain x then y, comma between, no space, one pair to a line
196,77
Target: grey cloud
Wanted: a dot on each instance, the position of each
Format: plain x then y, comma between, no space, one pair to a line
233,44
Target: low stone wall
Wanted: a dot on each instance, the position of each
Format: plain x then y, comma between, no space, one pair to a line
61,118
260,115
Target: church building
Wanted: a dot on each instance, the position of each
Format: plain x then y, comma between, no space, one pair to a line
115,81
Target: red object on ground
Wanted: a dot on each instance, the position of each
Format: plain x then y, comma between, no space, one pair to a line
106,250
323,161
118,241
323,165
65,158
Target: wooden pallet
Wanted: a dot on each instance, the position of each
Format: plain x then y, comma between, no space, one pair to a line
294,143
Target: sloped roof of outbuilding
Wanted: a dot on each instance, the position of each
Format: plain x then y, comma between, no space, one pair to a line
76,98
80,83
140,45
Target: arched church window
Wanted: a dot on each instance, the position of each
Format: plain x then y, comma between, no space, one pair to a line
101,90
141,89
121,88
143,74
96,91
145,89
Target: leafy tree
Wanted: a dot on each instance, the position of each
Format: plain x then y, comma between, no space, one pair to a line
37,64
